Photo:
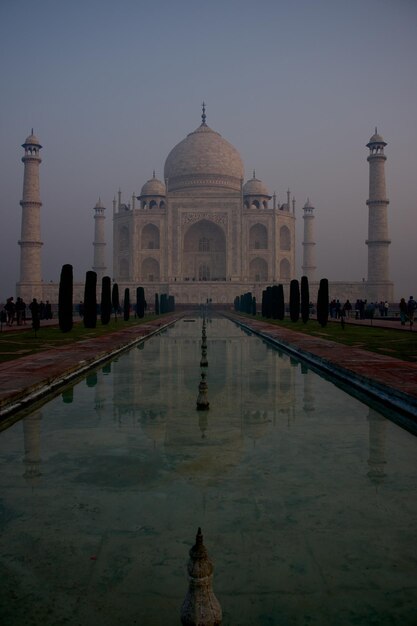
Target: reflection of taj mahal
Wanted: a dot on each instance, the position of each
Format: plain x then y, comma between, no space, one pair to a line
203,225
204,233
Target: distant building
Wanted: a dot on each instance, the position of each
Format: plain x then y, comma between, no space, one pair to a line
202,233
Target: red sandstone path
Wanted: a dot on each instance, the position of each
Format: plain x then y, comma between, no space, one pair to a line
29,378
390,380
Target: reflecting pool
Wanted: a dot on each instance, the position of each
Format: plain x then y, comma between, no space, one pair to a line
305,495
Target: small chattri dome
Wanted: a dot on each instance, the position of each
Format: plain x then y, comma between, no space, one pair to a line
32,140
376,138
153,187
308,204
255,187
99,204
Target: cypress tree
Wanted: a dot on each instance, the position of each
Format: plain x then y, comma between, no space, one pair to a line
294,300
236,304
140,302
253,305
263,303
171,303
126,305
323,302
249,304
65,299
268,303
156,304
115,299
281,303
274,302
90,300
164,303
105,303
305,299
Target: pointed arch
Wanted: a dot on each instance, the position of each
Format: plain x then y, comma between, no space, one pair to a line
285,238
258,270
258,237
204,246
124,269
123,237
285,269
150,270
150,237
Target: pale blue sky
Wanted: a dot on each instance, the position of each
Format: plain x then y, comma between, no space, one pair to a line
296,86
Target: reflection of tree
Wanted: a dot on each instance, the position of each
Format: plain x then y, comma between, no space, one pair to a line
91,379
68,395
32,447
376,461
308,391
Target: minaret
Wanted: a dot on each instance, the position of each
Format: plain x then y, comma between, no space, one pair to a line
379,285
99,265
309,256
30,281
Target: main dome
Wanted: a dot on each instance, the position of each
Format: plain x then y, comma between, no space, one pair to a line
204,159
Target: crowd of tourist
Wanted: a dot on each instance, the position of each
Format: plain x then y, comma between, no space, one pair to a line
12,311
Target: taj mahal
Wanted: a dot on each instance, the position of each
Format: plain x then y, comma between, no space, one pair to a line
202,233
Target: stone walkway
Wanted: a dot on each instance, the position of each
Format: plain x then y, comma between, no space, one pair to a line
31,377
385,378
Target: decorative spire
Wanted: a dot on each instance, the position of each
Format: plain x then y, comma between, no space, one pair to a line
32,132
203,117
200,605
376,130
254,174
153,175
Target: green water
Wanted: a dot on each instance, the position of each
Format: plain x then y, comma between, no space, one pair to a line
306,497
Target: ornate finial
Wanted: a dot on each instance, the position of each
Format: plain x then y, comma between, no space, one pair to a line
32,132
254,174
203,117
200,605
376,130
153,175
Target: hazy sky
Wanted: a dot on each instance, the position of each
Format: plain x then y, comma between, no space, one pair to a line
297,86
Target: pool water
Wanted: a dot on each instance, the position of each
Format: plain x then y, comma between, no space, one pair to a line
305,495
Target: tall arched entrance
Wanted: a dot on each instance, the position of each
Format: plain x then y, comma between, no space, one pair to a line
204,252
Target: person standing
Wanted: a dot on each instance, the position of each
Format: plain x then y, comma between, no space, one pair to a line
411,307
34,308
403,311
11,309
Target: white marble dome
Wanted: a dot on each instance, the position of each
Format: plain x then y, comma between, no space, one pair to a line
32,140
153,187
255,187
204,159
376,138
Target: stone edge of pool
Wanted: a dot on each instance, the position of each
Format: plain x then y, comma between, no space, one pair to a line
379,377
27,380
